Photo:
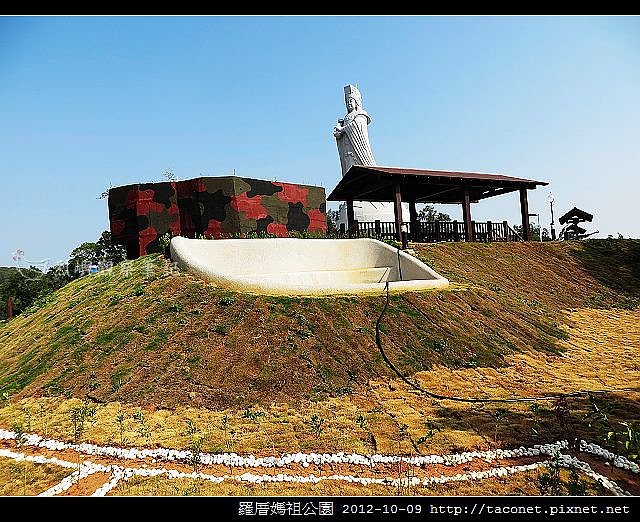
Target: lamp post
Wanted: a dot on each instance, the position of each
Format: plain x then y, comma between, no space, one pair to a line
553,230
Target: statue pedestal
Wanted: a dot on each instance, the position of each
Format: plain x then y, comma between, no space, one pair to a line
366,211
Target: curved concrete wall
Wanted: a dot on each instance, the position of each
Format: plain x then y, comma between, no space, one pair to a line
289,266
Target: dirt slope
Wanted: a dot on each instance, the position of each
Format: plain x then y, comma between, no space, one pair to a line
147,335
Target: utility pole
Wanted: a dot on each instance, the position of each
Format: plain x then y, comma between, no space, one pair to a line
10,304
553,230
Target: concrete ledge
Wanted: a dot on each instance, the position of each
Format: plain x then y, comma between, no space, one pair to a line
313,267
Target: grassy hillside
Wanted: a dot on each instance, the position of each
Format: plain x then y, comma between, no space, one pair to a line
146,335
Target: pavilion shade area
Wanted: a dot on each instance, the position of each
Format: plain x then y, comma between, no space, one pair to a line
362,183
367,183
375,183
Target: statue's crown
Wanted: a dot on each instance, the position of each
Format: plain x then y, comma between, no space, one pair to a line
351,91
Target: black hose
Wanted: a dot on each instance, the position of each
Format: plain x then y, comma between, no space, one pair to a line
437,396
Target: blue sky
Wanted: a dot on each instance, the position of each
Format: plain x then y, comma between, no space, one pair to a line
89,102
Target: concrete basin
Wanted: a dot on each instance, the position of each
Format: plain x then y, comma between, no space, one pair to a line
312,267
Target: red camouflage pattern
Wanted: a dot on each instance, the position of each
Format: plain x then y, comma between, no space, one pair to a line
215,207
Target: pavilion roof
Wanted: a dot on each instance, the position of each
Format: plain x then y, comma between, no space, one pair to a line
376,183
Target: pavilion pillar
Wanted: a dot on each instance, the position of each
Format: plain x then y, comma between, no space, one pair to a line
397,210
413,218
466,215
524,211
350,217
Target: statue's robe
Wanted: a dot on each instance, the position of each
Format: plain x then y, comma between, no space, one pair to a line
353,145
354,149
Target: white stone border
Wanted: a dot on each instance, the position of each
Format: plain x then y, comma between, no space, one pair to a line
305,459
118,473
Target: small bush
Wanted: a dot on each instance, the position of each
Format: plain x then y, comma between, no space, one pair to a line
317,425
221,329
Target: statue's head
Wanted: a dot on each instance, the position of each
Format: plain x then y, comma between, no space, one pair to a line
352,97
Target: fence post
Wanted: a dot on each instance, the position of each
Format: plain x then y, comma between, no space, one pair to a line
377,227
456,236
356,228
342,231
489,231
506,230
473,231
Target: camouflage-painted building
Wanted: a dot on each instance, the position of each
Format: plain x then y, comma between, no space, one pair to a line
211,207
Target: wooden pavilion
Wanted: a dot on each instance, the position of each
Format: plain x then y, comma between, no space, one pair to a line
377,184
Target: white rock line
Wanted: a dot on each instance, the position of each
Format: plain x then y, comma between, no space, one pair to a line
86,469
81,471
618,461
126,473
234,460
569,461
118,473
305,459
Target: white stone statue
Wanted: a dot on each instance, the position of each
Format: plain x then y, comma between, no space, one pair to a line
352,138
351,132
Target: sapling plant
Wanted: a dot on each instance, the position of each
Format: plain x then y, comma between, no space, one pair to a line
256,416
44,419
18,429
576,487
361,422
316,424
500,415
534,408
424,438
142,429
599,417
625,440
120,418
196,439
227,301
631,438
20,439
28,415
549,482
563,416
79,416
165,240
224,426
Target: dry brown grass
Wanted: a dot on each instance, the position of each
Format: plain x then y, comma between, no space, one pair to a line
144,336
27,478
519,484
509,328
388,416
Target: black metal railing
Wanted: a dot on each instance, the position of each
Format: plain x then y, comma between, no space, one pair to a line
436,231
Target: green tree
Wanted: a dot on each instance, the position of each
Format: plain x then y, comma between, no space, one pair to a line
26,285
534,232
102,251
332,220
429,213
